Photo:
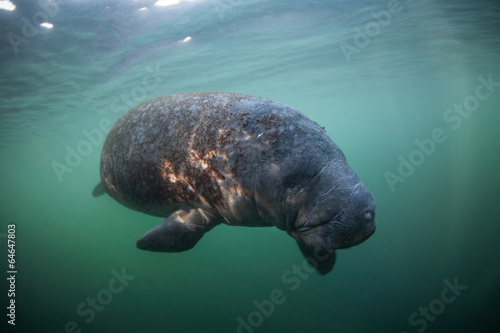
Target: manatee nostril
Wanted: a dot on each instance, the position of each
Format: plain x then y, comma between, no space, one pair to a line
369,215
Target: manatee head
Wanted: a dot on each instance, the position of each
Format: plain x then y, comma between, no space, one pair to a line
335,211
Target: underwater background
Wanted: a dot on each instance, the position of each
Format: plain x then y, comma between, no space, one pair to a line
409,90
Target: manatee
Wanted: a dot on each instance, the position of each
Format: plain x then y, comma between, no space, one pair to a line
201,159
98,190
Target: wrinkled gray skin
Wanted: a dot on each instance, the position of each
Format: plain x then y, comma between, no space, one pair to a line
201,159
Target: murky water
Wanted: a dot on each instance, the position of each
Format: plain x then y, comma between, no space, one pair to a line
410,90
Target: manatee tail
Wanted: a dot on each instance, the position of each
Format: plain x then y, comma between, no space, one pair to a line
98,190
178,232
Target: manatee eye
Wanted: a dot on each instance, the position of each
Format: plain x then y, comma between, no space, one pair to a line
368,216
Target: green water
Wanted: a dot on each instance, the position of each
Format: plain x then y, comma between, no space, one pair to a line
383,85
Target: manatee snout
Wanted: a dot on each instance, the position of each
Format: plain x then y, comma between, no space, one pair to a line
337,213
352,224
356,221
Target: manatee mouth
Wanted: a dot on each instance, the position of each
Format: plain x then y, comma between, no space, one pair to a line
353,238
337,234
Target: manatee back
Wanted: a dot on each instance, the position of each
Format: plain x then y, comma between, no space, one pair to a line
155,157
229,154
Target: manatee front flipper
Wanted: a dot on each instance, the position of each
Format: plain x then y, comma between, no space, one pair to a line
98,190
321,259
178,232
